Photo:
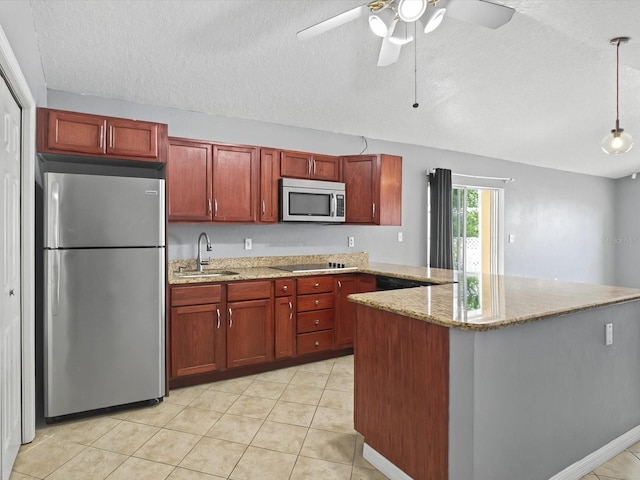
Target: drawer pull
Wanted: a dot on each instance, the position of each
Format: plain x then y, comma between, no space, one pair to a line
290,311
230,318
317,322
317,344
316,285
317,302
285,288
218,312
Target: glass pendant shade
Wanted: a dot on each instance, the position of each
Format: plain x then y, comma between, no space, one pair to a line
432,19
380,22
617,142
411,10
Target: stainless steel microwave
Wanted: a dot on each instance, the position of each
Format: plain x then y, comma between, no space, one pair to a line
311,201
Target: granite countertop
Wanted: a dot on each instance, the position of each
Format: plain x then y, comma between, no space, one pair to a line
261,268
487,302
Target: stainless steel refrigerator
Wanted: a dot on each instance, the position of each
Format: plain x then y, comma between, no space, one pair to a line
104,331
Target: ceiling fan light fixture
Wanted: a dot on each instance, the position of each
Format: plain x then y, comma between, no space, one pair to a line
433,18
381,22
617,141
411,10
401,36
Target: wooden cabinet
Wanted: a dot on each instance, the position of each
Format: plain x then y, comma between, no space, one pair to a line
269,175
285,319
315,308
197,339
72,133
307,165
189,181
345,311
250,336
373,189
212,183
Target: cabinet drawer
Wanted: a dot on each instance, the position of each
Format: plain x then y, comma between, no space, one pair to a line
248,291
315,342
321,301
284,288
195,295
315,285
315,321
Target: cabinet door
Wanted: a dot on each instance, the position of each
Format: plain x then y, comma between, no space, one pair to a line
197,340
360,174
345,316
285,334
295,164
269,174
249,332
235,183
75,132
189,181
132,138
324,167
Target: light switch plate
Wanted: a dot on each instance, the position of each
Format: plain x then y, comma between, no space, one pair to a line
399,236
248,244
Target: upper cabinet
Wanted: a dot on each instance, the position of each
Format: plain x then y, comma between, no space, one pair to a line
212,183
373,189
307,165
269,175
71,133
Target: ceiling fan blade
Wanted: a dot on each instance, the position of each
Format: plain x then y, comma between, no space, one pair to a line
389,51
480,12
333,22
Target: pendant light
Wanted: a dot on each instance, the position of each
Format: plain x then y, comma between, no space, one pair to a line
617,141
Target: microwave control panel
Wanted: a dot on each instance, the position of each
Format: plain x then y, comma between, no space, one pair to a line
340,205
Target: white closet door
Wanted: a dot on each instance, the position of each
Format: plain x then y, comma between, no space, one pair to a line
10,293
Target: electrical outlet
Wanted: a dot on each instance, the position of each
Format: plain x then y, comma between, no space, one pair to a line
352,242
512,238
399,236
247,244
608,334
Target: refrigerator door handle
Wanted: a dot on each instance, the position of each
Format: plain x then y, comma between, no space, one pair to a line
55,283
54,215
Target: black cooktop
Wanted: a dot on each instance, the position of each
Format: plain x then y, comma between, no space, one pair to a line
315,267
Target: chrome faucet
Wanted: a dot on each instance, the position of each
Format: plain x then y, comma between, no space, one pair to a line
199,261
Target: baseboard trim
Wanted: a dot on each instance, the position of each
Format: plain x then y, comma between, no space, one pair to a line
602,455
381,463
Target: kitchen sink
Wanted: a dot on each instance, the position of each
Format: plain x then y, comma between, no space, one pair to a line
206,273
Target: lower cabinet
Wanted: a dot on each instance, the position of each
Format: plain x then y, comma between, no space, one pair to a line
345,314
249,323
196,329
285,319
314,324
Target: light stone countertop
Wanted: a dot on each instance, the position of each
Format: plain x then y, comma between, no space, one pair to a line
487,302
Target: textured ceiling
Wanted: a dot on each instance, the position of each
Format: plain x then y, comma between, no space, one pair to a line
539,90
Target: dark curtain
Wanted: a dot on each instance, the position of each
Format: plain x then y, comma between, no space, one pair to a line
441,249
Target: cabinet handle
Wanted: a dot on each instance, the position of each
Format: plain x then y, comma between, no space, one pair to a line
317,302
264,208
290,311
209,209
317,343
110,136
314,166
309,166
102,136
316,322
339,287
374,211
316,285
218,312
230,318
215,207
285,288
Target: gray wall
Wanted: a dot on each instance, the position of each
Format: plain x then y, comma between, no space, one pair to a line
538,397
17,23
626,242
559,219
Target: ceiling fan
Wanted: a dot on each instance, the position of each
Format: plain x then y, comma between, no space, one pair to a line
389,19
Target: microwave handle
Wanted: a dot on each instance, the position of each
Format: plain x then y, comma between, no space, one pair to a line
334,204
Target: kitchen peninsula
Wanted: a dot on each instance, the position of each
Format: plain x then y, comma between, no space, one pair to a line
496,378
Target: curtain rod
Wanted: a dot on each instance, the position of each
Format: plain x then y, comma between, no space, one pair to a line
503,179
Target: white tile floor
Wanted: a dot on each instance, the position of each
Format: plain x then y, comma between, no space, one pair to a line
294,423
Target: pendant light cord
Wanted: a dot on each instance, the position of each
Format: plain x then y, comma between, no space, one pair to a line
617,83
415,66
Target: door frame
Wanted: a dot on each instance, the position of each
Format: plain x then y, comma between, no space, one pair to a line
20,88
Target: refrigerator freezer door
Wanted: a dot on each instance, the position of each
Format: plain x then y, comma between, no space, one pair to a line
104,339
103,211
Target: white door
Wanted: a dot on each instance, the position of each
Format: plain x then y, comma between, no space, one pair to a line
10,336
